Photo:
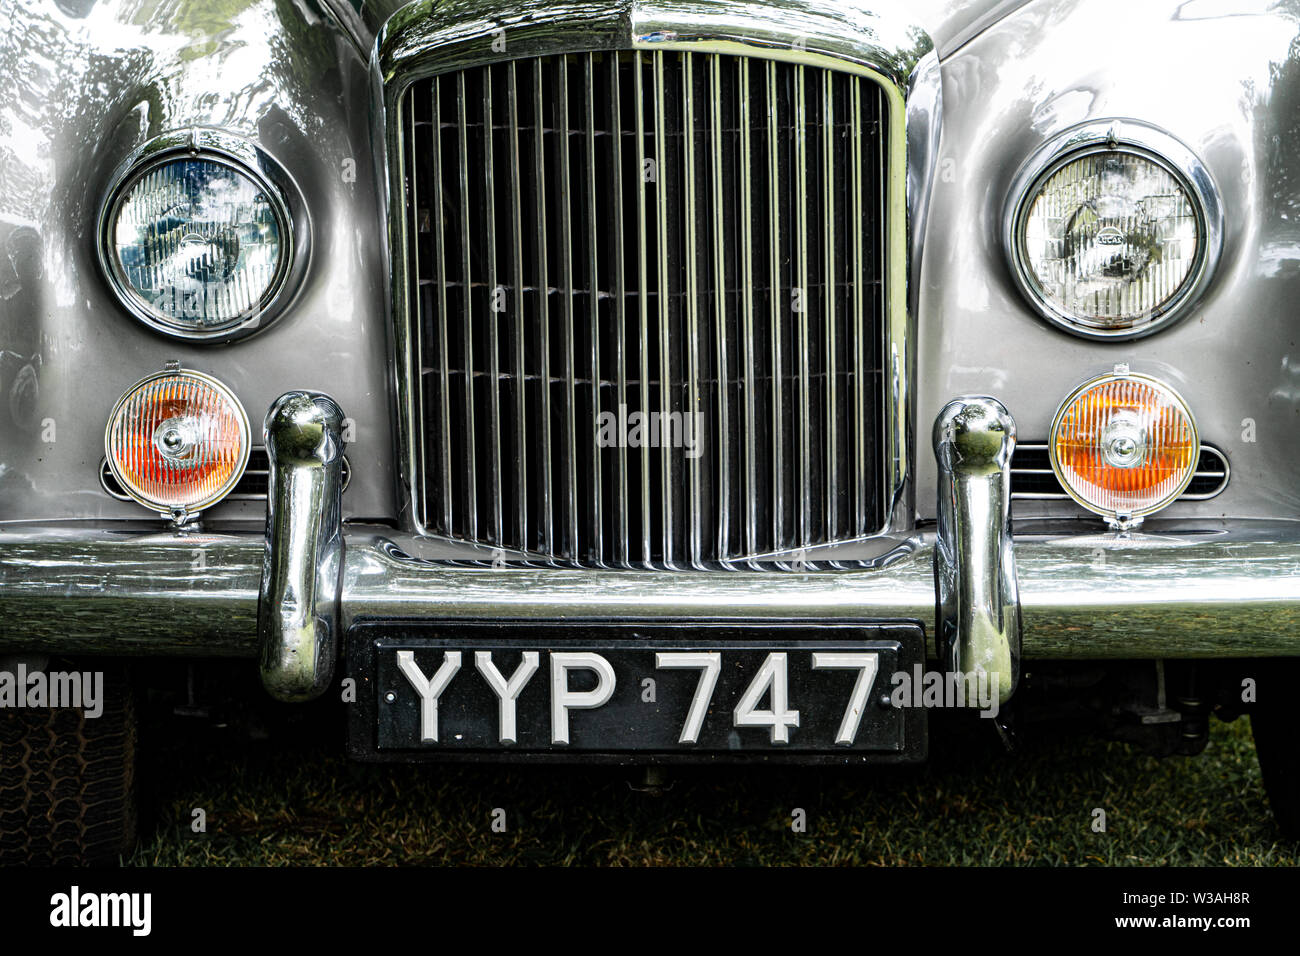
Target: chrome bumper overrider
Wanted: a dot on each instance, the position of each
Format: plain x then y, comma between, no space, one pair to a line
978,620
1209,589
297,613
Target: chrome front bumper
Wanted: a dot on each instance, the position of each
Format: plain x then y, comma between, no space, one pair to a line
1232,590
1213,589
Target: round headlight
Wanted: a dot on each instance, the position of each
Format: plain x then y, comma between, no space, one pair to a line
177,442
1124,445
197,244
1112,231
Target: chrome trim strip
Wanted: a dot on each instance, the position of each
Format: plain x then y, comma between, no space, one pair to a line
978,604
298,605
924,122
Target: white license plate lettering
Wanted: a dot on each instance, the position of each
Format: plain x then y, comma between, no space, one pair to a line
710,665
771,696
772,679
563,699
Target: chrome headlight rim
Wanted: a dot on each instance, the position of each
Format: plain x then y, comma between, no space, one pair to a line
247,159
1150,144
245,434
1118,375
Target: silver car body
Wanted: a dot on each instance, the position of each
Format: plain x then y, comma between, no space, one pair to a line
85,84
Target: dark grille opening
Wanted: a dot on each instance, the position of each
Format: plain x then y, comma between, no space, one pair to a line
598,238
252,485
1032,475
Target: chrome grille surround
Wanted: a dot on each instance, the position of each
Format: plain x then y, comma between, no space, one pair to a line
761,40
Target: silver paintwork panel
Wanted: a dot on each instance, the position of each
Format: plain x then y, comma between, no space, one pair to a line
85,83
1225,79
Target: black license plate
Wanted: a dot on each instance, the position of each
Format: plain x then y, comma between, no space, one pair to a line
690,690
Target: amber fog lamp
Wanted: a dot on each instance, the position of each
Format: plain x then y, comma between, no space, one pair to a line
177,442
1124,445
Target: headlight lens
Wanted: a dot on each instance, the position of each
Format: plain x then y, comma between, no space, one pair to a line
1124,445
177,442
1110,238
197,245
1113,230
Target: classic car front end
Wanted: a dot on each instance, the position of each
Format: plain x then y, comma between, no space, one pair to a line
646,382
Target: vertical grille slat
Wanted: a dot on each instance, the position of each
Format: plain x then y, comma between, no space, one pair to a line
442,415
803,299
542,324
647,306
776,290
517,324
496,528
568,430
691,303
596,515
829,304
622,530
467,313
749,433
859,416
877,267
664,384
718,200
643,301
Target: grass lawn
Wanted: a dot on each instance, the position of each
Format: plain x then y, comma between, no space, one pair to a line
292,798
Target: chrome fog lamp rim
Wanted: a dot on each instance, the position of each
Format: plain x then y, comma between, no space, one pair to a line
1120,375
247,159
1115,136
245,440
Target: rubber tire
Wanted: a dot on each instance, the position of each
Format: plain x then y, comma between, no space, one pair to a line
67,781
1273,724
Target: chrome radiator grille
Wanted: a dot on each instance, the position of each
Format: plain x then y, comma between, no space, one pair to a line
691,242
